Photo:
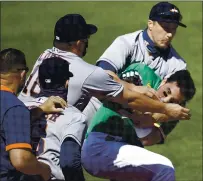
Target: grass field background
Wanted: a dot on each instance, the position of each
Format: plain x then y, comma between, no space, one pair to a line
28,26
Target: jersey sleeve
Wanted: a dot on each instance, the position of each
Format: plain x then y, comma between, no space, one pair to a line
100,83
16,125
118,52
75,127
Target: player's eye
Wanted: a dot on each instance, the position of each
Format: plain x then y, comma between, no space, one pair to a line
165,94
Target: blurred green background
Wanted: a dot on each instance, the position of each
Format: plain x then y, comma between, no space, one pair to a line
29,26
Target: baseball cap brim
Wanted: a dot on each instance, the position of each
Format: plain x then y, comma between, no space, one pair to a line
70,74
91,29
171,21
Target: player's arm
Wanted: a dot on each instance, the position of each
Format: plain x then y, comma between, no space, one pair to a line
156,136
17,132
53,104
25,161
99,84
114,57
70,152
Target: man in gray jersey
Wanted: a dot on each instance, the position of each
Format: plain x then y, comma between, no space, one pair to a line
59,134
70,43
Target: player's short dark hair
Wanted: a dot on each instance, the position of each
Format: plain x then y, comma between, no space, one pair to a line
12,59
184,82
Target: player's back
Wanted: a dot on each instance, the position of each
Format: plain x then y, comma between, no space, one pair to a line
81,71
53,130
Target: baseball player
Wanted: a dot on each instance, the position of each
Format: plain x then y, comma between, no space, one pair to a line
151,46
61,134
112,148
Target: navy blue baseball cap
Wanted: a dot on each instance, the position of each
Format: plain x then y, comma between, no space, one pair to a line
53,73
72,27
166,12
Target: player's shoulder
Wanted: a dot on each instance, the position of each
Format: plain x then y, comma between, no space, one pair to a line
9,100
72,110
72,114
130,37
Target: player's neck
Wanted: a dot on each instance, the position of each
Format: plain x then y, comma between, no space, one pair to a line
9,85
66,48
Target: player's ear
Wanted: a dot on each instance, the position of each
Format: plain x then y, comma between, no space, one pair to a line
66,84
150,24
78,43
23,75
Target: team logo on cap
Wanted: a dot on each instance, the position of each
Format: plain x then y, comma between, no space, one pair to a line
57,38
174,10
48,81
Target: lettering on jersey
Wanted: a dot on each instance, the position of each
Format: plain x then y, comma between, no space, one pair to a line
52,117
32,91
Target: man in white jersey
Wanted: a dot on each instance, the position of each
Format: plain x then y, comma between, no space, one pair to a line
59,133
151,46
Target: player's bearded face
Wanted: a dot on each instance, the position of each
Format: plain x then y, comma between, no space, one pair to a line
163,33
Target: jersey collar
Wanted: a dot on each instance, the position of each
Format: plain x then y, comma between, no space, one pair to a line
4,88
152,49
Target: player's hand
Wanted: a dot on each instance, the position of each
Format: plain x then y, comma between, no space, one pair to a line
147,91
53,104
177,112
45,171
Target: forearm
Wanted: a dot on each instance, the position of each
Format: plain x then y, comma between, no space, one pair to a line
24,161
33,167
143,103
153,138
159,118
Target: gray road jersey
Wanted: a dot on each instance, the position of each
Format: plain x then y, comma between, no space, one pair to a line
131,48
72,123
88,80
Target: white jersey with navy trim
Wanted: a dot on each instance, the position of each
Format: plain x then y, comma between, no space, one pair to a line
70,123
131,48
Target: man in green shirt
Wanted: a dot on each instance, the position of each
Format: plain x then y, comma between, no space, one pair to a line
113,144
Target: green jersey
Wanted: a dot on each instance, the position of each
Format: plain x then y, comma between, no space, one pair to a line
108,120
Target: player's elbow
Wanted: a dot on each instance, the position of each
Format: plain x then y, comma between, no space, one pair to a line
19,163
20,158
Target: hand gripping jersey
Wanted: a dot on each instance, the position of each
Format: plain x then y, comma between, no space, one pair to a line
70,123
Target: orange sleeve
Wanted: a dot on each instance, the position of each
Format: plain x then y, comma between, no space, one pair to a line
18,145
